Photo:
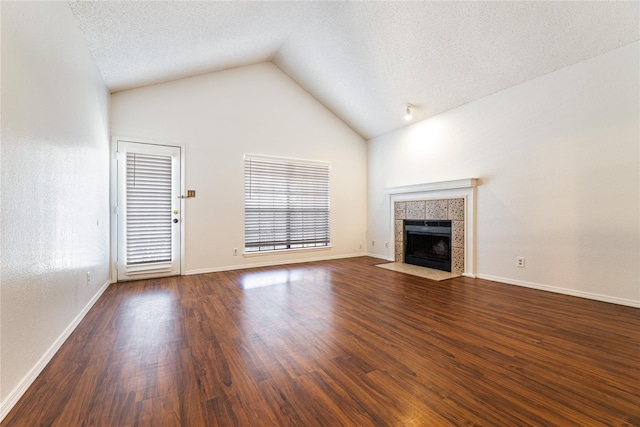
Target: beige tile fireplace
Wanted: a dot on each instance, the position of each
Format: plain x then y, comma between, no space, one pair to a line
447,200
451,209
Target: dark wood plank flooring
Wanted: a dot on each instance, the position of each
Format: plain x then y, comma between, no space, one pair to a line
340,343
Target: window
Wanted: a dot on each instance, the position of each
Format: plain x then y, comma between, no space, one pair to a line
286,204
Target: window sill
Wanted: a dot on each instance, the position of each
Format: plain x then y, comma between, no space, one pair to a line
282,251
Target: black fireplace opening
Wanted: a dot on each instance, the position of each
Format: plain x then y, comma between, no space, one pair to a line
428,243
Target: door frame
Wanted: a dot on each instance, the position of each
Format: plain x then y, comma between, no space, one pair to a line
113,198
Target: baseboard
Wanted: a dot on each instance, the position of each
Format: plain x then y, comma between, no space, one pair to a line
15,395
572,292
384,257
268,264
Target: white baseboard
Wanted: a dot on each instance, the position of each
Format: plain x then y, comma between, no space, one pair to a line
384,257
572,292
268,264
15,394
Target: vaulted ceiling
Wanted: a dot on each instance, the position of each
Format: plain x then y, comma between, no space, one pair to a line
363,60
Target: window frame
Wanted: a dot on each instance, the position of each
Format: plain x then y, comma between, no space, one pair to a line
304,224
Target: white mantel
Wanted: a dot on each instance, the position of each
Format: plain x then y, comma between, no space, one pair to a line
459,188
434,186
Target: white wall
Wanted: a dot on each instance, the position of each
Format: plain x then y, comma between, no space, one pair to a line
558,159
54,188
219,117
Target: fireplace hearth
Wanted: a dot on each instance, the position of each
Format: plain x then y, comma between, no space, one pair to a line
428,243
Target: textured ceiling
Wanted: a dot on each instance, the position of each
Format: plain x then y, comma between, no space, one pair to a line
363,60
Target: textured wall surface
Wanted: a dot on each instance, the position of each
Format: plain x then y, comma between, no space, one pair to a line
256,110
558,160
54,212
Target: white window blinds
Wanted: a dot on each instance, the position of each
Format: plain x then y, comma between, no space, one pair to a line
148,208
286,204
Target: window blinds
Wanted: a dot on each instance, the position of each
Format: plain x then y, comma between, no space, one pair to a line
148,206
286,204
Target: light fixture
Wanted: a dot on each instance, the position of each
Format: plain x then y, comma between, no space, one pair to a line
408,115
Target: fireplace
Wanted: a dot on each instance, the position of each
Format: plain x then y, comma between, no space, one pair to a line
437,201
428,243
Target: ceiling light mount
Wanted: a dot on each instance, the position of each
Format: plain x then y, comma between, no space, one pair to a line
408,114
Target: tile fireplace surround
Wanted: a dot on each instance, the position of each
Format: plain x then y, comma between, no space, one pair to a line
452,209
449,200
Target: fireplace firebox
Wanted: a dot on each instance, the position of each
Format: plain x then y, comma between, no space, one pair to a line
428,243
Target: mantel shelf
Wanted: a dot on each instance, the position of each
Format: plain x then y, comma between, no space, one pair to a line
434,186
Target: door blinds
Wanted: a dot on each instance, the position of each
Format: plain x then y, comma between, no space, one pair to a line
148,207
286,204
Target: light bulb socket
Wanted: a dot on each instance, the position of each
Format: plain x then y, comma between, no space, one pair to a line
408,115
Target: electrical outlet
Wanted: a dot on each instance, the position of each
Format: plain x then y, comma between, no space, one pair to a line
373,243
88,278
360,247
235,251
520,261
386,244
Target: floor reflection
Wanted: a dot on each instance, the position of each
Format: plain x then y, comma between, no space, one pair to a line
285,312
269,278
149,318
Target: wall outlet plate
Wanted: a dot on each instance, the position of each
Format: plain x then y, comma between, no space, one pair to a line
520,261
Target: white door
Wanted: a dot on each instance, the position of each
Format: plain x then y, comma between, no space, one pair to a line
148,210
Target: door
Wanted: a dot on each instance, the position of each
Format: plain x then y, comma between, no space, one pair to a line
148,210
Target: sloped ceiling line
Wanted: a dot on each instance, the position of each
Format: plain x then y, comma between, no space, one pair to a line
363,60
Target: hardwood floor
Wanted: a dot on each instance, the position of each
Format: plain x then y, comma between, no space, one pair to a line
340,343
